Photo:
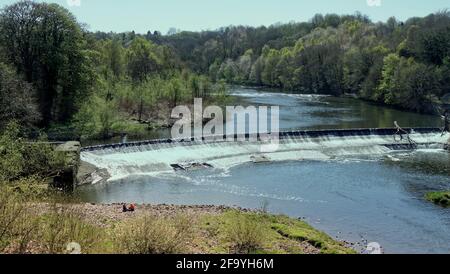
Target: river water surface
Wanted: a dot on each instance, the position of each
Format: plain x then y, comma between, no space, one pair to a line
355,198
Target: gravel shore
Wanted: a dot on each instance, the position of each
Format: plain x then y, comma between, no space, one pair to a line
106,214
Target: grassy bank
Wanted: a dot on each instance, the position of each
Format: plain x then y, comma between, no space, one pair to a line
40,223
440,198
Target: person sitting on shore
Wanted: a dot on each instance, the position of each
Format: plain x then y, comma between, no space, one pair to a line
124,208
131,208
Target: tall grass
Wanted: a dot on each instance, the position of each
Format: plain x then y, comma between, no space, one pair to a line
26,227
63,225
244,233
154,235
17,225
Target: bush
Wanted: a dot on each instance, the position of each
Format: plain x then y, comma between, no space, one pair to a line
151,235
63,225
26,227
19,158
244,233
17,226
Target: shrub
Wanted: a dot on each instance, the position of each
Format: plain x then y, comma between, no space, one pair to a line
25,228
151,235
19,158
244,233
17,225
63,225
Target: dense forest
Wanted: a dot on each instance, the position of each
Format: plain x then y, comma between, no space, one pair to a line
405,64
54,73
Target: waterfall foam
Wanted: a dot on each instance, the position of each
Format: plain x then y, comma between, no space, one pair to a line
156,156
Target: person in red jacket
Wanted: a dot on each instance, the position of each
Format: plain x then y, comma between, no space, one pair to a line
130,208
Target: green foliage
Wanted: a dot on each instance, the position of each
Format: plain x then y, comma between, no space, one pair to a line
17,226
113,59
143,59
97,118
440,198
56,72
253,232
244,233
17,100
62,225
400,64
19,158
43,228
304,233
133,107
408,84
153,235
45,44
46,224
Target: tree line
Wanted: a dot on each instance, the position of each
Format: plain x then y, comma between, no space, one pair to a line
404,64
54,72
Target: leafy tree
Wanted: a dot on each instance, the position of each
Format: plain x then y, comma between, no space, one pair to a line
388,85
114,57
45,44
436,46
408,84
17,102
143,59
97,117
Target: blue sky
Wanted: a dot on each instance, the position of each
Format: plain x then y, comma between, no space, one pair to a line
144,15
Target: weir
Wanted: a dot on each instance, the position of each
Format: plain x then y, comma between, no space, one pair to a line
156,156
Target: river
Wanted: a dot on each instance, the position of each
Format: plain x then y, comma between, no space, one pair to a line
354,198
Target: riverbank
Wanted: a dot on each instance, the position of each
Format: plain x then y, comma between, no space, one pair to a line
155,229
220,229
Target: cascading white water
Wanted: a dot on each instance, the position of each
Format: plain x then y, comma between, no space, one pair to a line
157,158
